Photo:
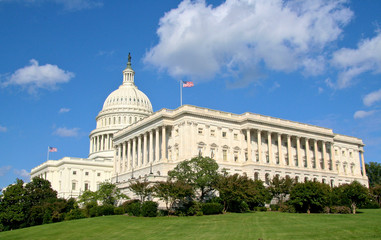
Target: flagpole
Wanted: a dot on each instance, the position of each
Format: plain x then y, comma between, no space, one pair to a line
181,94
47,158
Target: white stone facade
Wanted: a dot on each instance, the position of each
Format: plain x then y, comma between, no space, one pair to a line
258,146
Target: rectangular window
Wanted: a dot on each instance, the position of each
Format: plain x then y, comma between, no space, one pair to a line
212,132
86,173
225,154
235,156
200,131
74,172
224,134
73,186
86,186
235,136
99,174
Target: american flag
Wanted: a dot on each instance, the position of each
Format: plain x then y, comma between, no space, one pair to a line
188,84
52,149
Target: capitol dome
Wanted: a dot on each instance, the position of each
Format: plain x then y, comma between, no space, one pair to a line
123,107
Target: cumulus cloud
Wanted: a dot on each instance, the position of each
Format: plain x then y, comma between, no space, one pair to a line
64,110
199,41
22,173
353,62
3,129
372,97
363,114
66,132
4,170
35,76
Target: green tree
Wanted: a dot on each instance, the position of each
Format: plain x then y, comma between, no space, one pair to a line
13,206
280,187
200,172
109,194
88,197
141,189
356,194
236,189
373,171
376,192
39,191
310,196
172,192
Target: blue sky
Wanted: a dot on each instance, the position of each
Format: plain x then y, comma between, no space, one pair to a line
316,62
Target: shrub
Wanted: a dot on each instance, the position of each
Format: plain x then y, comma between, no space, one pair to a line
326,209
341,209
274,207
199,213
194,208
287,208
212,208
134,209
244,207
370,205
118,210
129,202
261,209
149,209
105,210
75,213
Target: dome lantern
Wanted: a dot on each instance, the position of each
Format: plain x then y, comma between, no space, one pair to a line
128,73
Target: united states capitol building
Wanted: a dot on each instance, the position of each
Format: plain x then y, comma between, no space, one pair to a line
131,141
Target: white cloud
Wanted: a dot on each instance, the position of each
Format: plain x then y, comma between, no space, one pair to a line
353,62
22,173
320,90
3,129
64,110
200,41
4,170
363,114
372,97
34,77
66,132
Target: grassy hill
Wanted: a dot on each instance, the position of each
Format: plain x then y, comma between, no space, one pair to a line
265,225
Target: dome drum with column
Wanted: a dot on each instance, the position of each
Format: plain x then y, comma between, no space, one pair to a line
122,107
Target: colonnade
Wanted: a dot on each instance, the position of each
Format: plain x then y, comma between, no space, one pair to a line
102,142
141,150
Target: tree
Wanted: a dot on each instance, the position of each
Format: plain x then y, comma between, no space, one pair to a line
373,171
376,192
172,191
141,189
200,172
109,194
39,191
88,197
280,187
13,209
309,196
356,194
236,189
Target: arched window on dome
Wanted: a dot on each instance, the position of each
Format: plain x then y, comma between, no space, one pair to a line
130,120
136,119
109,121
114,120
119,122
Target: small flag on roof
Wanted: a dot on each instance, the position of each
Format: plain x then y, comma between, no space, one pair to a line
52,149
188,84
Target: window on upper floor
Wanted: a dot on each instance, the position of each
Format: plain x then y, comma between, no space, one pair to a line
224,134
225,154
99,174
86,173
86,186
235,136
74,172
200,131
73,185
212,132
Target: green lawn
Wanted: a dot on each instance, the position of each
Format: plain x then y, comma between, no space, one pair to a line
265,225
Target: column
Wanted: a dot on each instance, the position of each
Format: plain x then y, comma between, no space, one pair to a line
101,140
280,152
91,145
259,141
290,158
325,162
298,150
307,152
120,157
99,143
332,152
106,142
363,163
134,152
139,150
269,145
129,163
150,146
145,149
157,150
317,160
115,159
124,162
163,144
249,158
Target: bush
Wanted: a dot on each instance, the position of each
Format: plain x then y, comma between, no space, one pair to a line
261,209
326,209
134,209
287,208
341,209
194,208
129,202
105,210
75,213
371,205
149,209
199,213
211,208
118,210
274,207
244,207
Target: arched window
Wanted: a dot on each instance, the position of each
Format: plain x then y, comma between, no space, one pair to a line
256,176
